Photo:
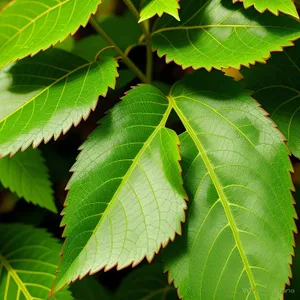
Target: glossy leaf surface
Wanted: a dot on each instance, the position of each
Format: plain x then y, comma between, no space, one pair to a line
158,7
219,34
147,282
30,26
275,6
126,198
43,96
276,86
27,175
238,240
28,259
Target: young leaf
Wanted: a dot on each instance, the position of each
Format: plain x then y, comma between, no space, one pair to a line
27,28
276,86
286,6
118,28
89,289
147,282
214,33
158,7
45,95
28,259
239,238
26,174
126,195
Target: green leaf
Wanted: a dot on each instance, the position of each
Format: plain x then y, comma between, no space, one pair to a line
59,86
158,7
275,6
124,31
3,3
126,195
28,27
26,174
239,237
214,33
276,86
147,282
89,289
28,259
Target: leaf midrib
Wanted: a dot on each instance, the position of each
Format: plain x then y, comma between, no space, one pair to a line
44,90
125,179
16,278
221,194
158,31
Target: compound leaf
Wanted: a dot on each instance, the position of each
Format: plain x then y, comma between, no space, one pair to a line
126,198
286,6
214,33
276,86
147,282
30,26
239,237
45,95
158,7
28,259
27,175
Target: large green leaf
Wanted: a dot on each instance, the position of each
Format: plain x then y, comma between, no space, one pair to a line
276,86
286,6
126,196
219,34
26,174
158,7
28,259
239,236
30,26
123,30
45,95
147,282
89,289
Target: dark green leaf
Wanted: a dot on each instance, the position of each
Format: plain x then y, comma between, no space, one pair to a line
239,237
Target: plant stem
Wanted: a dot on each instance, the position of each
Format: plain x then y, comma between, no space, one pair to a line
126,60
145,26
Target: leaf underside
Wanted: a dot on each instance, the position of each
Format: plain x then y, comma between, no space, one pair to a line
219,34
276,86
274,6
239,237
126,198
27,175
30,26
59,86
158,7
28,259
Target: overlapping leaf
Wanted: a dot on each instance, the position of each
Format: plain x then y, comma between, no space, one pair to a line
28,259
286,6
45,95
276,86
158,7
148,282
219,34
26,174
126,198
238,241
30,26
